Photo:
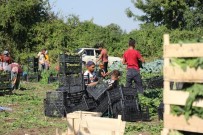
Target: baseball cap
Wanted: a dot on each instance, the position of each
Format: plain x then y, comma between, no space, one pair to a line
90,63
5,52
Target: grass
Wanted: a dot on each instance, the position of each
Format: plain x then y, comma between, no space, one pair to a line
27,115
28,111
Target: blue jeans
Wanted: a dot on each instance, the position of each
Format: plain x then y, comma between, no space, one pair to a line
134,75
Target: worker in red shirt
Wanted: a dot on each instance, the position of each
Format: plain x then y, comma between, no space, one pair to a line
103,57
130,58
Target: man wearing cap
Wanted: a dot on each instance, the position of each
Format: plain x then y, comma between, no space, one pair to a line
89,75
130,58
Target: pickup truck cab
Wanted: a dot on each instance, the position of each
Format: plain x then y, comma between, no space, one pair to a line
92,54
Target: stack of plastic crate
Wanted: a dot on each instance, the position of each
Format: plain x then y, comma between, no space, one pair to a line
125,101
33,73
71,81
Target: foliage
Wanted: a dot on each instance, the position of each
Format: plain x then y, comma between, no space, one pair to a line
188,62
195,94
153,128
155,66
172,14
17,18
152,99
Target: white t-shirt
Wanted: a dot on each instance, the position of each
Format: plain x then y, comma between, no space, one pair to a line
92,76
41,58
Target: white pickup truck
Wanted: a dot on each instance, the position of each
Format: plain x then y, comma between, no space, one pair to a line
92,54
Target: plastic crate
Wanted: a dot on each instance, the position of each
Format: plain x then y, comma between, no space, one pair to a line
70,58
54,109
76,80
154,82
73,79
5,85
5,76
52,79
32,60
86,104
116,109
63,88
33,77
56,97
63,80
114,95
74,89
74,98
129,93
103,105
68,89
145,113
160,111
97,91
131,112
68,69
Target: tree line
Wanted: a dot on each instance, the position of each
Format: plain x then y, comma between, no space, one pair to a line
27,26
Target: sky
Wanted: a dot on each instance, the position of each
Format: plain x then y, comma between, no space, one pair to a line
103,12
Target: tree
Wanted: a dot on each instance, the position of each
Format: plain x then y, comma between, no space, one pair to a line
183,14
16,20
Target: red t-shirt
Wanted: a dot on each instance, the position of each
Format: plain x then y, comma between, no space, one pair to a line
131,57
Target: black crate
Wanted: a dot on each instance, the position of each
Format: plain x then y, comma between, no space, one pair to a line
116,109
97,91
32,60
56,97
103,105
63,88
76,80
5,76
154,82
74,89
64,80
54,109
32,64
70,58
160,111
145,113
129,93
5,85
52,79
72,81
131,112
33,77
114,95
68,69
74,98
86,104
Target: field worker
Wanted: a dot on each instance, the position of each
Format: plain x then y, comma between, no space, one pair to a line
130,58
103,57
41,57
102,73
113,82
90,75
15,70
5,60
47,63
